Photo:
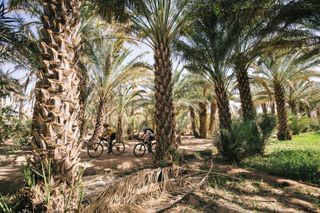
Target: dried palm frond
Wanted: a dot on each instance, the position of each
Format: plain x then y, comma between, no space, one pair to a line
150,190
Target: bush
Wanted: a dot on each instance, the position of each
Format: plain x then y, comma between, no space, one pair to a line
295,164
247,138
11,127
300,124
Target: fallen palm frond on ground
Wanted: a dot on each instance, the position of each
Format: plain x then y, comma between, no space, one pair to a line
148,191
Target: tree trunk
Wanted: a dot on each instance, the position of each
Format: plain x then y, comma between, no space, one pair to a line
55,127
203,119
223,107
264,109
318,115
82,120
98,129
119,129
293,107
21,113
283,129
273,108
224,118
213,110
193,122
247,107
164,114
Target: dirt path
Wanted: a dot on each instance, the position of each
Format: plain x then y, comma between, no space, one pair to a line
236,190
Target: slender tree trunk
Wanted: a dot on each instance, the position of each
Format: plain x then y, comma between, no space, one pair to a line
213,111
264,108
21,113
55,128
203,119
224,118
293,107
283,129
82,88
119,129
98,129
273,108
164,114
247,107
223,107
193,122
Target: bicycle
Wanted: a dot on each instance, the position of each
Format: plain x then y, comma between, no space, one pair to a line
95,150
140,149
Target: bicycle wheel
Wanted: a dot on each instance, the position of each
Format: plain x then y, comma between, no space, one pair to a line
95,150
118,148
139,150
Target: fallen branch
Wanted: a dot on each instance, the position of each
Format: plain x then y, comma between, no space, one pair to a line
186,194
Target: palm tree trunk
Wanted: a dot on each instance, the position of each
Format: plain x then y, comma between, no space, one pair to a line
224,118
164,111
213,110
193,122
283,129
264,108
223,107
247,107
119,129
98,129
82,88
55,128
203,119
293,107
273,108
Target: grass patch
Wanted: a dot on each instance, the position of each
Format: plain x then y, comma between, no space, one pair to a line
297,159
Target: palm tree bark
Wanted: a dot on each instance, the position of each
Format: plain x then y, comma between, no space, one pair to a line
247,107
119,129
293,107
164,111
224,119
273,108
203,119
55,127
98,129
264,108
193,122
213,110
223,107
283,129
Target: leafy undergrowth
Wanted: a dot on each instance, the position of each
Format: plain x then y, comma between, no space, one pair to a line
297,159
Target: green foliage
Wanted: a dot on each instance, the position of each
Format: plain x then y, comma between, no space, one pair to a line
247,138
296,164
11,127
297,159
4,205
303,124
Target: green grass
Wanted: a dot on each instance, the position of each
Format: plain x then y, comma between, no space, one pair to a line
297,159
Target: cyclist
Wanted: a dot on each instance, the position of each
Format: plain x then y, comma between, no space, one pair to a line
147,134
108,135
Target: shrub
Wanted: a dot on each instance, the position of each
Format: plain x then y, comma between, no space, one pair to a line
295,164
11,127
247,138
300,124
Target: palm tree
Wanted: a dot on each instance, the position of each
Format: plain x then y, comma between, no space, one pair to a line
107,68
207,50
159,21
126,96
279,69
55,126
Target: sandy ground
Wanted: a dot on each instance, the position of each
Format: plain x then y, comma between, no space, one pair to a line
231,190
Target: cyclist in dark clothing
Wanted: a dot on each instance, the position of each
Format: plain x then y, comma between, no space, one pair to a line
148,134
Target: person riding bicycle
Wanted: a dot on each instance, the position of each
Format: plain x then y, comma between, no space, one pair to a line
147,134
108,135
